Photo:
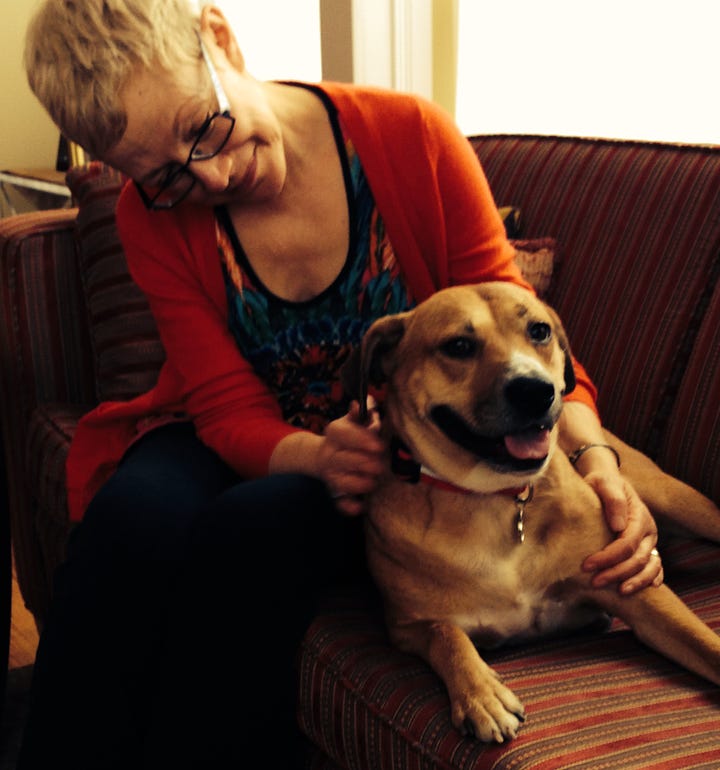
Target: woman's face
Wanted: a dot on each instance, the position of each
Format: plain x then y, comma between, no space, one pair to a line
165,111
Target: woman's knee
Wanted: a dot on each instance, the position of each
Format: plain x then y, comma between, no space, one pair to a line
281,512
284,527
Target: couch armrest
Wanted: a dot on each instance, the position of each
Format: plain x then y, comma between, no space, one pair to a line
45,351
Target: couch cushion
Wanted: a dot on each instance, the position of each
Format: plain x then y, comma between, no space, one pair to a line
126,344
592,700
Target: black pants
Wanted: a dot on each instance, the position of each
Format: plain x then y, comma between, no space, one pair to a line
175,620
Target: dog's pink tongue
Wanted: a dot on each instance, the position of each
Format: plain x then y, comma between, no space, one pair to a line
529,446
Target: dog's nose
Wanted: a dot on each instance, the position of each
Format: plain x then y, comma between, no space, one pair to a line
530,396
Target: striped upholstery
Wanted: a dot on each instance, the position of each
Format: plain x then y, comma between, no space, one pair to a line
638,227
45,356
592,701
50,430
691,446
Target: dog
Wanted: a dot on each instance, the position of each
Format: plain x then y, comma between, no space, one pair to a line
476,537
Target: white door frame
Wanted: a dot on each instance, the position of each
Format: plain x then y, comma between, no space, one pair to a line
393,44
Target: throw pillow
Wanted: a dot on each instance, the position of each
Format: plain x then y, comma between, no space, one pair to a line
127,348
536,258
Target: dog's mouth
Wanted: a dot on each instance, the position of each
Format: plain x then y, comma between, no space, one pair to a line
523,450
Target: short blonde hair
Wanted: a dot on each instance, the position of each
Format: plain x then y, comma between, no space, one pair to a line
79,55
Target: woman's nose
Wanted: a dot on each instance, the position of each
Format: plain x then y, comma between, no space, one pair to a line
213,173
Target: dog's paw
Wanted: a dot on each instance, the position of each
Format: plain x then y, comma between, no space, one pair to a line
490,712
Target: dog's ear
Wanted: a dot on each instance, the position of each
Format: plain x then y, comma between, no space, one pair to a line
369,364
569,372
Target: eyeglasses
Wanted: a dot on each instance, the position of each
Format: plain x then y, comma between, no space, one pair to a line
211,138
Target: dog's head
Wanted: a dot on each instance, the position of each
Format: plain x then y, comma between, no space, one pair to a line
475,378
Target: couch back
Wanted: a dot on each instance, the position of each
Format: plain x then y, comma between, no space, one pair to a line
638,237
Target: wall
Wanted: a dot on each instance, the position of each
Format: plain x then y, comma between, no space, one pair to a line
280,39
444,53
27,135
409,45
336,38
627,69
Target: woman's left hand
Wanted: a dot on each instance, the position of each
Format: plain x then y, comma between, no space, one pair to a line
631,559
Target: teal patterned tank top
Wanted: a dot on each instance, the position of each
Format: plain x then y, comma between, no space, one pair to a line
299,348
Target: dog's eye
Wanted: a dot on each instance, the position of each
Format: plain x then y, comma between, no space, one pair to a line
459,347
539,332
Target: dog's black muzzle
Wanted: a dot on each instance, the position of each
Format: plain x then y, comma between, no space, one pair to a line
529,397
527,406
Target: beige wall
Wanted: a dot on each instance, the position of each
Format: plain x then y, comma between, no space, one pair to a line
445,16
336,40
28,137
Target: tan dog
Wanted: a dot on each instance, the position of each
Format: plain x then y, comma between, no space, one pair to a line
475,378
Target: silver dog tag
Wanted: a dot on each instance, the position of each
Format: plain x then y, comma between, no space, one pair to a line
521,501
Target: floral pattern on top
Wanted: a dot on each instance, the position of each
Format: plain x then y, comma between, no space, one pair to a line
299,348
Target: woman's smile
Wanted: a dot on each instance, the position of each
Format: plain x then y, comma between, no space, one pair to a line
251,162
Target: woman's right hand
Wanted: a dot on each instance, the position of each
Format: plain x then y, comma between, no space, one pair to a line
351,458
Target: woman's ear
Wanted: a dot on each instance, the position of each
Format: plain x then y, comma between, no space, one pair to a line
216,31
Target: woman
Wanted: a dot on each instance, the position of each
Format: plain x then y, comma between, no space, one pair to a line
268,224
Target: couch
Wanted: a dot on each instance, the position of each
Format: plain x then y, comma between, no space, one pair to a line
632,232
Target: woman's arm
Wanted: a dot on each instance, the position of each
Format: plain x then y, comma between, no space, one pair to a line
350,458
628,559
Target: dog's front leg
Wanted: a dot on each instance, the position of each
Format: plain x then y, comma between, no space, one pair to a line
480,703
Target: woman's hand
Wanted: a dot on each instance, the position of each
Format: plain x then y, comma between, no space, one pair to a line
351,459
631,559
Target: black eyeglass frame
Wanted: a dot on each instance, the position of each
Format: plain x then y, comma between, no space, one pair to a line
153,202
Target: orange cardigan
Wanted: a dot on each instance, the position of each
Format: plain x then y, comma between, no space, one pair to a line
445,230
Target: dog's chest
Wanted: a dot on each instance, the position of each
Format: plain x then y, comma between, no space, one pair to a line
436,563
524,615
